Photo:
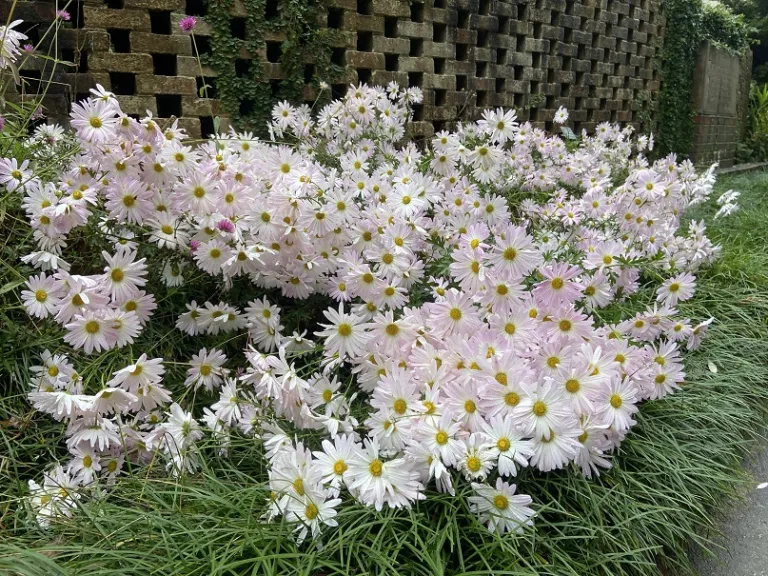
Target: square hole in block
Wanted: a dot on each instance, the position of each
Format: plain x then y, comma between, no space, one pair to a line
196,8
123,83
518,72
237,28
503,25
501,85
164,64
415,79
79,59
77,15
461,83
203,44
417,47
272,10
31,81
536,59
168,105
338,91
418,112
438,32
390,27
534,87
365,7
481,68
365,41
338,56
242,67
207,127
335,18
462,20
246,106
309,73
439,3
565,90
482,98
417,11
461,52
210,87
518,100
391,62
116,4
274,88
160,21
501,56
120,40
364,75
520,42
482,38
484,7
440,97
274,51
439,65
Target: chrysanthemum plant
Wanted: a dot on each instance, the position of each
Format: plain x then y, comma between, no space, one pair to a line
461,286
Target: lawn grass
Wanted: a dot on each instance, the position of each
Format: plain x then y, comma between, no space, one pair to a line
679,464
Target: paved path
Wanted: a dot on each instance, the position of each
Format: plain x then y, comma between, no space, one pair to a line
745,529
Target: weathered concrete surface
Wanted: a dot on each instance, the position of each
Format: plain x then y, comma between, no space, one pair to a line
745,532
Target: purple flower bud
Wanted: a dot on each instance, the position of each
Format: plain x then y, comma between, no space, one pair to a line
63,14
225,226
194,245
29,48
188,23
2,123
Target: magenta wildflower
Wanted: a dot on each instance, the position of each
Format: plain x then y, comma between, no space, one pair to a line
194,245
29,48
2,123
188,23
63,14
225,226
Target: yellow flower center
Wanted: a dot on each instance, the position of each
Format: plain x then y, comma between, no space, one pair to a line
339,467
92,327
376,468
95,122
400,406
298,485
572,386
501,502
510,254
512,399
345,330
473,463
616,401
455,314
557,283
539,408
470,407
441,438
503,444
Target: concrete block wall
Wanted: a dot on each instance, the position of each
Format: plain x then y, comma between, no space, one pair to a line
720,100
598,58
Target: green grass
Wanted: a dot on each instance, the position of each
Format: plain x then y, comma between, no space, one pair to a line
679,464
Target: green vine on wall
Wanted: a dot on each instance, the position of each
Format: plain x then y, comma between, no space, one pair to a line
246,93
689,22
